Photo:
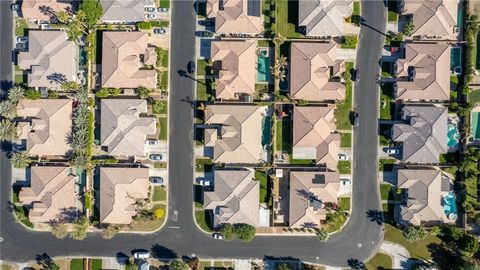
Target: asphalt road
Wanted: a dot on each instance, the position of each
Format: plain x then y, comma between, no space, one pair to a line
359,240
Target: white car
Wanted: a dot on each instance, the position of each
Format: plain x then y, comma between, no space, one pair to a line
205,183
141,255
149,9
217,236
392,151
22,39
342,157
345,182
151,142
150,16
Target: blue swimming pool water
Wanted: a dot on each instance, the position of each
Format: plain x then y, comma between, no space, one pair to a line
452,135
263,66
475,126
266,130
456,60
449,204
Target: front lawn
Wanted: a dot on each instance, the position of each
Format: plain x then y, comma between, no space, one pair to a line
349,42
96,264
418,249
346,140
287,19
334,221
283,136
203,165
162,57
344,203
385,191
159,194
387,106
344,166
20,26
76,264
379,261
159,107
164,3
342,113
201,91
392,16
203,220
261,176
162,123
386,164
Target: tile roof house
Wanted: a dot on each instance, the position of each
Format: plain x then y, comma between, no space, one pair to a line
120,188
433,18
123,56
323,17
34,10
234,68
309,192
424,136
234,198
45,126
234,133
123,131
51,59
424,73
51,195
313,135
124,11
316,72
424,191
236,16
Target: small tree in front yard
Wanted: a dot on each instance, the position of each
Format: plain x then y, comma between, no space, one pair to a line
8,109
245,232
413,234
20,160
178,265
143,92
8,130
322,235
59,230
110,231
227,231
80,229
408,29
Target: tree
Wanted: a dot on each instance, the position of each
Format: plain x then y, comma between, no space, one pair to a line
408,29
70,86
178,265
32,94
59,230
8,109
227,231
16,94
194,263
8,130
413,234
469,245
63,17
245,232
143,92
80,229
102,93
322,235
110,231
20,160
93,11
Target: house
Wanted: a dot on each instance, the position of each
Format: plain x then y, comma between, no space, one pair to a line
432,18
325,18
124,11
311,193
234,68
236,16
51,195
424,135
429,198
123,130
124,56
45,10
233,133
316,73
314,135
234,198
45,126
424,73
51,59
120,189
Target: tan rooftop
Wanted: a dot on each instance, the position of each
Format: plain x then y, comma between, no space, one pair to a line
51,195
309,191
313,135
51,59
234,198
316,71
120,188
236,16
123,56
424,74
424,191
433,17
324,17
44,9
46,125
234,64
235,133
123,131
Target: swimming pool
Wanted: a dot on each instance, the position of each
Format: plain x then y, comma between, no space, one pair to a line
449,205
452,135
475,127
266,130
456,60
263,66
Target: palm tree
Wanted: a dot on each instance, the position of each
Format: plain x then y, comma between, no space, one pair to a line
20,160
8,109
70,86
8,130
16,93
62,16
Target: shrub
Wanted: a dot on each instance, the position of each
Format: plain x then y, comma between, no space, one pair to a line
143,92
144,25
102,93
159,213
59,230
110,231
32,94
350,41
52,94
415,234
115,92
245,232
322,235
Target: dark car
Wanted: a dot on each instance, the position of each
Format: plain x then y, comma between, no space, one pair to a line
191,67
356,121
158,31
355,75
204,34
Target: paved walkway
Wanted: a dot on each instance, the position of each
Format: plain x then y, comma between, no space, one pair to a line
400,255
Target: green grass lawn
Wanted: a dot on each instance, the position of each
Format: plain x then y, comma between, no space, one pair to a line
287,18
76,264
344,203
334,221
342,112
162,122
379,261
201,91
387,101
392,16
160,107
356,8
20,26
302,161
418,249
349,42
96,264
385,164
159,194
203,164
344,166
346,140
385,190
264,187
202,220
164,3
474,96
263,43
201,67
162,57
283,137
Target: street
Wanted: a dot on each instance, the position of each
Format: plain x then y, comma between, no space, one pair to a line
359,240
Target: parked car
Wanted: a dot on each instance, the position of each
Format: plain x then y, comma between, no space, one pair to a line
392,151
156,180
150,16
345,182
204,34
394,49
151,142
21,46
217,236
141,255
159,31
205,183
356,120
356,75
155,156
163,10
45,26
208,23
191,67
342,157
22,39
149,9
15,7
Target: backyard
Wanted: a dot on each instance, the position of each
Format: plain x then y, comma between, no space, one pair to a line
287,19
283,139
262,177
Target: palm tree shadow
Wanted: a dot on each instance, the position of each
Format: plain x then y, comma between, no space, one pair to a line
375,216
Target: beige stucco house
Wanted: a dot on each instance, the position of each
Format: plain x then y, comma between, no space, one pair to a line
324,17
45,10
315,72
124,54
120,188
236,16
